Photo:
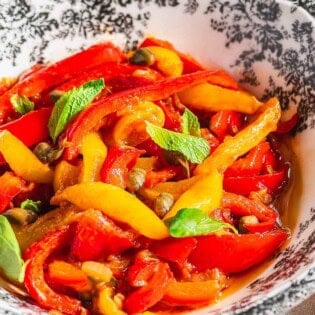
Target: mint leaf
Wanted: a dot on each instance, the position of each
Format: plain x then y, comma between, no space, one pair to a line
193,148
31,205
22,104
11,262
70,104
190,123
194,222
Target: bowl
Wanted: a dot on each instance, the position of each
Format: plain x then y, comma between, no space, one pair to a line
268,46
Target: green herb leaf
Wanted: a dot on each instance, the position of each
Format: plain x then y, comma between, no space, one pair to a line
194,222
193,148
31,205
190,123
22,104
70,104
11,262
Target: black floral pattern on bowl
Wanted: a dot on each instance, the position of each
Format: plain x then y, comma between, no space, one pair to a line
253,23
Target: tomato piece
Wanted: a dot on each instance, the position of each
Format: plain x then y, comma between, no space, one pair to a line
34,280
242,206
119,161
151,293
174,250
142,269
96,237
235,253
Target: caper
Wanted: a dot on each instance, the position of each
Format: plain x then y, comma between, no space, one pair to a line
21,216
46,153
163,204
142,57
247,219
137,178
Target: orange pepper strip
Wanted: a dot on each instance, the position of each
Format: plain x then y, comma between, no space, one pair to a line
191,293
116,203
211,97
22,160
68,275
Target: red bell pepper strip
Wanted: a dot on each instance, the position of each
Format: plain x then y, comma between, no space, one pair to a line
34,280
286,126
191,293
106,71
10,186
251,164
174,250
235,253
225,123
96,237
53,75
244,185
91,118
31,128
242,206
212,140
119,161
151,293
190,65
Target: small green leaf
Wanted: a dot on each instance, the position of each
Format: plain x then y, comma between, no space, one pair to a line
31,205
11,262
190,123
193,148
70,104
194,222
22,104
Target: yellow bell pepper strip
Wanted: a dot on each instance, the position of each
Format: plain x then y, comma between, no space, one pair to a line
65,175
205,194
106,304
116,203
22,160
167,61
94,152
234,147
214,98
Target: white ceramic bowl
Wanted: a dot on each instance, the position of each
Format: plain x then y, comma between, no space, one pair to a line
267,45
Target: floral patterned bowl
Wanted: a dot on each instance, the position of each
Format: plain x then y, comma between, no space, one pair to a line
267,45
